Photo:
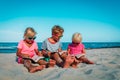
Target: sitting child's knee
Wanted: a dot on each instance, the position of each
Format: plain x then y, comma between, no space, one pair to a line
52,61
69,60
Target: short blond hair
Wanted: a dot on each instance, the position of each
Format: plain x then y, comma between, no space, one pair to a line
28,31
77,37
57,29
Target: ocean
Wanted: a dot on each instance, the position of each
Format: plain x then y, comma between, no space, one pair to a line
11,47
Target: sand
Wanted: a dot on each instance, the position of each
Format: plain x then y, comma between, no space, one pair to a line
106,67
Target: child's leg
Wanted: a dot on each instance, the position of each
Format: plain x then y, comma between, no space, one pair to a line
51,63
69,60
36,68
43,62
66,64
30,67
75,63
64,56
85,60
57,58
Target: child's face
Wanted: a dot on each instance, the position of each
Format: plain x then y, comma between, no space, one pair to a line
57,37
29,38
75,43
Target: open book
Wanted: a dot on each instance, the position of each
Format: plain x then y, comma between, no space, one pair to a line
79,55
62,52
35,58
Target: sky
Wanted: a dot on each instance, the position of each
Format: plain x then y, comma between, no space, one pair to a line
96,20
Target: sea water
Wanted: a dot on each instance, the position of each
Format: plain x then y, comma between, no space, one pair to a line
11,47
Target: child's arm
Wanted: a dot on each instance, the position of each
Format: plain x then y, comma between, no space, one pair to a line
68,52
63,53
59,49
19,54
46,53
38,52
72,56
19,51
84,51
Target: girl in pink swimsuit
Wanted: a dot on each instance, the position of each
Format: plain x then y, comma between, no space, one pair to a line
76,51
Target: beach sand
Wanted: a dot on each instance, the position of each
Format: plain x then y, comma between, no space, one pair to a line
106,67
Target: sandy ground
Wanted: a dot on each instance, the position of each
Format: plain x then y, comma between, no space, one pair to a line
107,67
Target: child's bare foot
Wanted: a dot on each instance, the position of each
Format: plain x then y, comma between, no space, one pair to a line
66,65
90,62
69,60
36,68
74,65
51,63
85,60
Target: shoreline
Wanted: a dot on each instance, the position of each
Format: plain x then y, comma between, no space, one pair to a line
102,48
107,67
65,50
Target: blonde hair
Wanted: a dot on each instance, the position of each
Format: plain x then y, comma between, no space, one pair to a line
57,29
28,31
77,38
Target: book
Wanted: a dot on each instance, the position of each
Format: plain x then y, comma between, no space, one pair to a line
35,58
79,55
62,52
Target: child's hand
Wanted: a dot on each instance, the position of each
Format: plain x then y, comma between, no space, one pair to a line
44,52
72,57
69,55
48,53
77,61
25,56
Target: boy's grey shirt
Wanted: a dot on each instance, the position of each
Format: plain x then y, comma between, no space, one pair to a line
46,45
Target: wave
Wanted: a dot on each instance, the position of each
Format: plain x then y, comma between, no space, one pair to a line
7,48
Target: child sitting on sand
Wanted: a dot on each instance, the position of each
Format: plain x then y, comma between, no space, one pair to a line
76,51
51,47
28,52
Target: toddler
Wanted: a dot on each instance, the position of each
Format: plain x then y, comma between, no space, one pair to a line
28,52
76,51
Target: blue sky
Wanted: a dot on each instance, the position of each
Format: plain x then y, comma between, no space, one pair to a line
96,20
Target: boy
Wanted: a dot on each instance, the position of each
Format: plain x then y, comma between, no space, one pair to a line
51,47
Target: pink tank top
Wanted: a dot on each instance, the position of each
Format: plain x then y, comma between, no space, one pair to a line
74,50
